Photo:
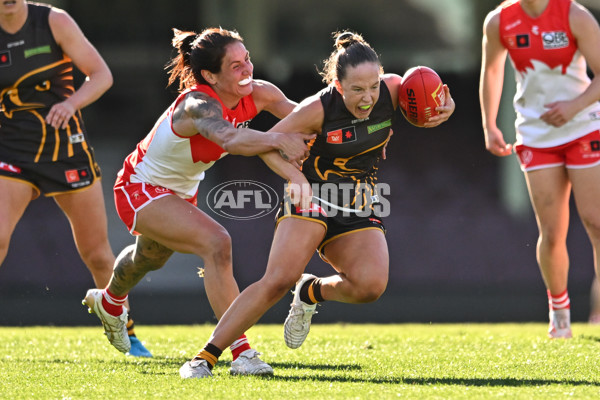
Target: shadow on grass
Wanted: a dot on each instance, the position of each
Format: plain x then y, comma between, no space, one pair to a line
475,382
319,367
590,338
155,364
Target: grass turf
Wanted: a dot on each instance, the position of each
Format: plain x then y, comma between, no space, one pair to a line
338,361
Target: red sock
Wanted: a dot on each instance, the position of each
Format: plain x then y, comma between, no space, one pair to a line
239,346
113,304
560,301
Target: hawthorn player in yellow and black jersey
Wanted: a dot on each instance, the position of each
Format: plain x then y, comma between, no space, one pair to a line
43,145
348,149
35,74
342,166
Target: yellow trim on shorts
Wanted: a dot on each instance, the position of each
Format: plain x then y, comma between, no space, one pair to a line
301,217
10,178
96,179
325,243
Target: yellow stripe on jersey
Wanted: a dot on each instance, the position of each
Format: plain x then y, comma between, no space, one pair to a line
44,133
56,145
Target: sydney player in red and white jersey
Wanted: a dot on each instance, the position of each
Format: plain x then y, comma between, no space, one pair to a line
551,43
156,191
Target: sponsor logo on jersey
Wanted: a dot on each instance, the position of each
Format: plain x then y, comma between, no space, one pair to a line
5,58
377,127
15,44
517,41
341,136
595,115
555,40
512,25
77,175
77,138
37,50
10,168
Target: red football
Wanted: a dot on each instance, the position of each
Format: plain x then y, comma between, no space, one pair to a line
421,91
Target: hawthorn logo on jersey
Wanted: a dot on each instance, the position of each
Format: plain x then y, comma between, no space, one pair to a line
343,135
78,177
555,40
5,58
242,199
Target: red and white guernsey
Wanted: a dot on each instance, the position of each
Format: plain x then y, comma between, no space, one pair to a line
164,158
549,68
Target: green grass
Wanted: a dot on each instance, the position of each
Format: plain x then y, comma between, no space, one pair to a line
414,361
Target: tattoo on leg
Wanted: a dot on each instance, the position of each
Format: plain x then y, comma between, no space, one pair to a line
135,261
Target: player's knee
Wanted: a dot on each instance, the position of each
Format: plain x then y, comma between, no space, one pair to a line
592,226
370,291
98,260
277,287
4,241
218,249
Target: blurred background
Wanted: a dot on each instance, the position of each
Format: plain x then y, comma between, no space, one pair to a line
461,233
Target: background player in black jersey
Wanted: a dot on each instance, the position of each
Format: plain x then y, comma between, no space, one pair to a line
43,143
352,118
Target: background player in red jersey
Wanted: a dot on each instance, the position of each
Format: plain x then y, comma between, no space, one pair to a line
352,118
156,191
550,44
43,143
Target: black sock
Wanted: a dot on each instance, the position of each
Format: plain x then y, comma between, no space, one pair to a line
210,353
306,290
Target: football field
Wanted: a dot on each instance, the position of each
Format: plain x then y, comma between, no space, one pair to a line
353,361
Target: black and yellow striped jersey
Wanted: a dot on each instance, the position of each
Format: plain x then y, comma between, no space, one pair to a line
348,150
34,75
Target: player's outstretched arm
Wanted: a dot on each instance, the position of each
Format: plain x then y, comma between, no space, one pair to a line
200,113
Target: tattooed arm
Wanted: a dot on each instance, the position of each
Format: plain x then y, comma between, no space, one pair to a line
200,114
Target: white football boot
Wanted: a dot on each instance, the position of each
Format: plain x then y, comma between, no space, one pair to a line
195,369
115,328
297,323
560,324
248,363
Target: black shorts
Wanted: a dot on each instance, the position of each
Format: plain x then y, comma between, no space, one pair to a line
336,223
55,177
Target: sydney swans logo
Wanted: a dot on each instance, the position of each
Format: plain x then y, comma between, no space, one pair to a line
242,199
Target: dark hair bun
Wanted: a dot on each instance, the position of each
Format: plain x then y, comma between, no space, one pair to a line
345,39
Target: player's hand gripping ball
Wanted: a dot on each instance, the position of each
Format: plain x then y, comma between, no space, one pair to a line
421,91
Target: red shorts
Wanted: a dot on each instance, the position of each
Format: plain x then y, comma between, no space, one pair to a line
580,153
132,197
